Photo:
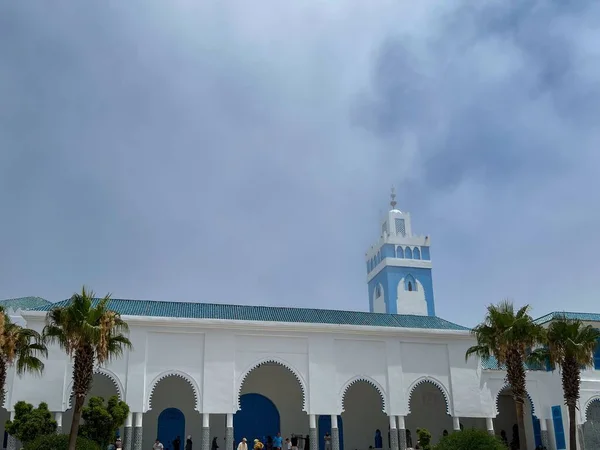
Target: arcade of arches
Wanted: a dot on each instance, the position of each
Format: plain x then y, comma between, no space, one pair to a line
271,401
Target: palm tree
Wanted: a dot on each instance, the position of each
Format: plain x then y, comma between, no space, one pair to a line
90,333
508,336
569,344
19,347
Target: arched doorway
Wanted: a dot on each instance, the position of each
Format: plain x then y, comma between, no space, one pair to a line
271,400
172,407
171,423
363,415
506,420
429,410
591,427
258,418
325,427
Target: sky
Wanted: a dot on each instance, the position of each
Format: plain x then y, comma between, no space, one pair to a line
243,152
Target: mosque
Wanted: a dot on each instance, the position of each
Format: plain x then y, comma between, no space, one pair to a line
234,371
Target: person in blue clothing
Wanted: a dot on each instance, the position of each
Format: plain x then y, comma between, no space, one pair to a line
278,442
378,439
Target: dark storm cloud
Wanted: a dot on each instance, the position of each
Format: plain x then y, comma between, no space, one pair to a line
241,152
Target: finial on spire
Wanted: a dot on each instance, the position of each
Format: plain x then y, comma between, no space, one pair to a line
393,197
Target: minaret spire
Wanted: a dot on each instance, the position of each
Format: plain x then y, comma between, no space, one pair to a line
393,198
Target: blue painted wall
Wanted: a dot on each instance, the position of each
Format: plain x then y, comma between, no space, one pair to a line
325,427
559,430
258,417
390,277
171,423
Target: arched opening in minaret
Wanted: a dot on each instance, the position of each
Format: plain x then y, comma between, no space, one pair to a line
378,299
429,410
271,400
416,253
363,417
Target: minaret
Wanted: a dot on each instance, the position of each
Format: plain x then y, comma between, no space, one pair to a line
399,268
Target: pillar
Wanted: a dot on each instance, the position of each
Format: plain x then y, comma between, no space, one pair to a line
335,433
58,415
205,443
128,433
229,433
11,442
393,434
312,432
456,423
137,431
489,425
544,433
401,433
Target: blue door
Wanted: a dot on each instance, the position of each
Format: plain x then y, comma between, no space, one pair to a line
537,431
325,427
258,417
171,423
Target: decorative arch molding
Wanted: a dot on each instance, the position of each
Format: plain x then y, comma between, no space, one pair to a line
365,379
173,373
114,379
279,362
504,388
438,384
589,404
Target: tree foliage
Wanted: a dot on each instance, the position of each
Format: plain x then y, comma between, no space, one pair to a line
101,421
508,335
470,440
30,423
89,332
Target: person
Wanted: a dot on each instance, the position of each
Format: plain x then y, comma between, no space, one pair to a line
288,444
307,442
258,445
327,439
378,439
243,445
158,445
188,443
177,443
118,443
214,445
294,442
278,442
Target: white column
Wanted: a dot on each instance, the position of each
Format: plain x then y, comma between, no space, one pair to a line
393,434
402,444
229,432
229,420
138,432
205,443
489,425
206,420
139,418
312,421
335,433
456,423
58,416
128,433
334,423
312,432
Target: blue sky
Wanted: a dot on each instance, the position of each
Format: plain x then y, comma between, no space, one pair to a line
242,152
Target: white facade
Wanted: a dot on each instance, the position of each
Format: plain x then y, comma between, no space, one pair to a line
367,374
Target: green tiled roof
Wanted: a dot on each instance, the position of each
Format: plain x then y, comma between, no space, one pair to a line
584,317
24,303
269,314
492,364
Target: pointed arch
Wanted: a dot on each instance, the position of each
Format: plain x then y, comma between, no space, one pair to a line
434,382
279,362
112,377
416,253
507,387
365,379
408,253
410,283
399,252
594,401
173,373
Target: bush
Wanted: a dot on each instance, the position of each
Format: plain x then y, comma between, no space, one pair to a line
424,437
100,421
470,440
60,442
30,422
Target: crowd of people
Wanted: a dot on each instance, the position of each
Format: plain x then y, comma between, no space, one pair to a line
276,443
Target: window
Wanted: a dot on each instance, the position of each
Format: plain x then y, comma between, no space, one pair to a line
400,227
378,291
416,253
597,356
410,284
399,252
408,253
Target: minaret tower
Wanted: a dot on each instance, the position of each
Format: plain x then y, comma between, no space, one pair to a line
399,268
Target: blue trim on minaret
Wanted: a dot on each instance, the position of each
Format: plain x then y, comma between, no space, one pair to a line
391,276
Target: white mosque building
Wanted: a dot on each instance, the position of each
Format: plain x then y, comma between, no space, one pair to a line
233,371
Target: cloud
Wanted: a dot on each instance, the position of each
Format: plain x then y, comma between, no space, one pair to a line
241,153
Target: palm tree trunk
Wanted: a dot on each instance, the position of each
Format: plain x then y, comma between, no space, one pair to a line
83,375
2,379
521,425
572,428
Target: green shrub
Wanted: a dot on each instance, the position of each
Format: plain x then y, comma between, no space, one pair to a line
101,421
424,437
60,442
30,422
470,440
